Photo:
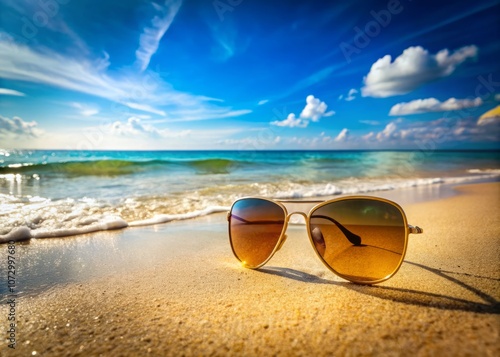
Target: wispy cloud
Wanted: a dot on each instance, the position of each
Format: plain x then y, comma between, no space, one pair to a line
144,92
85,109
433,105
228,40
263,101
144,108
203,113
351,95
412,69
151,36
135,127
250,142
5,91
370,122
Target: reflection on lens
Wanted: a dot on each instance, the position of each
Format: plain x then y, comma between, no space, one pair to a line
363,240
255,226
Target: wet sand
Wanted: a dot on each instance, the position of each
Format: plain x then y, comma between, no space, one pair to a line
175,289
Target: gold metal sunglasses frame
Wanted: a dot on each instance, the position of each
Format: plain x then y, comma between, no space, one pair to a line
409,229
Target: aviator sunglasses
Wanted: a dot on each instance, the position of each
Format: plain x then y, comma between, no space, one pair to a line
359,238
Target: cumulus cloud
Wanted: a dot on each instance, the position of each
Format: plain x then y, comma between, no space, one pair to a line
5,91
292,122
412,69
433,105
389,132
18,127
314,110
152,35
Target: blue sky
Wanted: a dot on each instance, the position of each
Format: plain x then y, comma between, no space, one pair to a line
246,75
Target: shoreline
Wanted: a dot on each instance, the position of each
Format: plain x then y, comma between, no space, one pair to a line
401,195
176,289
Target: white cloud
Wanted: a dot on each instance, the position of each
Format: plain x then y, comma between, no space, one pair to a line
433,105
400,133
146,91
263,101
351,95
314,110
368,136
134,127
18,127
85,109
145,108
292,122
369,122
343,135
5,91
195,114
412,69
250,142
152,35
389,132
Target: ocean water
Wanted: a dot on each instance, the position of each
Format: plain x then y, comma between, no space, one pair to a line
61,193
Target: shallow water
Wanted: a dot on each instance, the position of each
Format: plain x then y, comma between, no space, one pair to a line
61,193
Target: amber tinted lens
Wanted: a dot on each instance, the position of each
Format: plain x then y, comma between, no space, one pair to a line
362,240
255,226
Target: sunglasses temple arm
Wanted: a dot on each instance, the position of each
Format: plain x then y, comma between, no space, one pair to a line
415,229
351,237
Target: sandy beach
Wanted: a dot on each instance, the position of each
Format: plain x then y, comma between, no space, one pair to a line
175,289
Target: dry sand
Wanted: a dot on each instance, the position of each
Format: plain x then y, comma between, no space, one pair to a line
177,290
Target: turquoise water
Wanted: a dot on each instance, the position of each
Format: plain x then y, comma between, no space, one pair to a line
56,193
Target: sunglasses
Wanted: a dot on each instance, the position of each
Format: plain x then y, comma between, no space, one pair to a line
361,239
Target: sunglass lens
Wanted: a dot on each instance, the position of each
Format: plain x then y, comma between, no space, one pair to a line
362,240
255,227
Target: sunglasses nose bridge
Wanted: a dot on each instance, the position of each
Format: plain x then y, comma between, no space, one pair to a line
296,212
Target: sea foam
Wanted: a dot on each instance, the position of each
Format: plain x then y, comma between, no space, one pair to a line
26,217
